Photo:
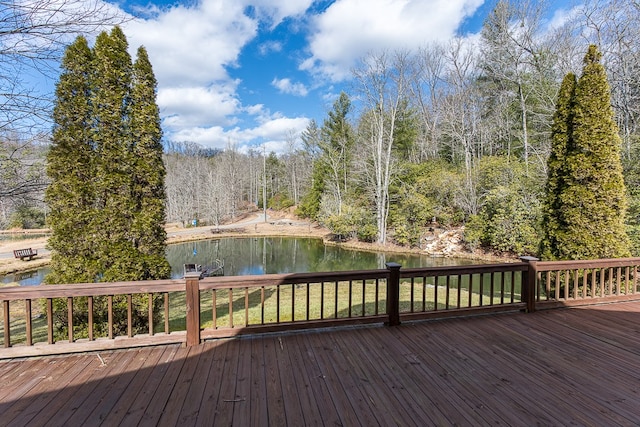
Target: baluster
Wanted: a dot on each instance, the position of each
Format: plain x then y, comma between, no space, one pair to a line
166,313
293,302
350,297
278,304
335,300
110,315
90,314
129,316
246,306
28,325
214,308
50,338
231,307
70,317
7,325
321,300
150,314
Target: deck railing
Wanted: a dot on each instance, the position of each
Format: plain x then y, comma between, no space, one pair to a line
194,309
566,283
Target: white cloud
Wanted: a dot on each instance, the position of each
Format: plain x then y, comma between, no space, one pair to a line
269,47
561,17
277,10
198,106
288,87
193,48
194,45
348,29
272,133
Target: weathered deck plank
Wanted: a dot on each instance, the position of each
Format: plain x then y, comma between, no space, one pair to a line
558,367
211,392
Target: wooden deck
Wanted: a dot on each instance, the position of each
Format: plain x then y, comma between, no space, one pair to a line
577,366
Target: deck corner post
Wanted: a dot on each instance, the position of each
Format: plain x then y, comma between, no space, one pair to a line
529,284
393,294
192,298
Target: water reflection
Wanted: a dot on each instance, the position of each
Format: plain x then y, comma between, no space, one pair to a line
270,255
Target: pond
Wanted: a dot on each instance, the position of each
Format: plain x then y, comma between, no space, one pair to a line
271,255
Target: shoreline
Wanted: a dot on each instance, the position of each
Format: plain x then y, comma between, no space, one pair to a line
439,247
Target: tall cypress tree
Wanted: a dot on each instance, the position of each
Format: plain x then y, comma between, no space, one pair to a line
553,220
591,201
111,102
107,191
148,171
70,166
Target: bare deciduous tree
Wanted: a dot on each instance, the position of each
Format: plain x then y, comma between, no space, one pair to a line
383,84
33,34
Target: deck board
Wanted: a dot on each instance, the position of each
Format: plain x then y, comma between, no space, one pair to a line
554,367
211,392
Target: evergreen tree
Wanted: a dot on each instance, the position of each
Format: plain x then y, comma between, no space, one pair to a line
70,166
591,193
310,203
560,135
114,165
107,192
336,143
148,172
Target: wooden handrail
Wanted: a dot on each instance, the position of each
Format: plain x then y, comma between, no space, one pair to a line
251,304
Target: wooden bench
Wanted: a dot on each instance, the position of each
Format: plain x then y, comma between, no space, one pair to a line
27,254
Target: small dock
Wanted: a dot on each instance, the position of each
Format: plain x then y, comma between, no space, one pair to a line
216,269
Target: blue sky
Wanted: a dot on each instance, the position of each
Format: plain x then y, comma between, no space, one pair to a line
254,72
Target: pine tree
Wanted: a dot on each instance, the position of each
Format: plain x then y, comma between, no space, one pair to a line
591,197
148,171
552,220
70,166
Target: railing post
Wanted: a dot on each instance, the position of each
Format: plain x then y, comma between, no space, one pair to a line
393,294
529,283
192,298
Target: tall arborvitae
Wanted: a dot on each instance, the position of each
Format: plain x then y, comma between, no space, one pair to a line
591,201
70,166
111,109
148,171
553,221
107,191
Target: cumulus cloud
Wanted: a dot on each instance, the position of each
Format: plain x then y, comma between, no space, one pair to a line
194,48
348,29
198,106
194,45
272,133
289,87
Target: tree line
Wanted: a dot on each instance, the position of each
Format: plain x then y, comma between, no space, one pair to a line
461,133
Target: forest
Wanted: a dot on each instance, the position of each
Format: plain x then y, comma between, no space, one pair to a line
456,134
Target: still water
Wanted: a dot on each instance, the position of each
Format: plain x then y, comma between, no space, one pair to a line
269,255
